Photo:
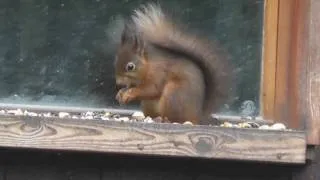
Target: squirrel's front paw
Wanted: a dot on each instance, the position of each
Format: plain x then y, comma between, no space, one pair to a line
124,96
119,94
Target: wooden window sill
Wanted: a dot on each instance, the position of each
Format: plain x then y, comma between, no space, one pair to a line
153,139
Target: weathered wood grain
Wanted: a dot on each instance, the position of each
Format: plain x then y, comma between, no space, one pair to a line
313,74
297,101
156,139
303,92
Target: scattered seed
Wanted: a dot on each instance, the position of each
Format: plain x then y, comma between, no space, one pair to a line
107,114
254,125
105,118
226,124
122,119
148,120
33,114
188,123
47,115
17,112
75,117
116,116
236,126
64,115
89,113
88,117
264,127
244,125
138,116
278,126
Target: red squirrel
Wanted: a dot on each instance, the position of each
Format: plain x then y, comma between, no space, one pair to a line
176,75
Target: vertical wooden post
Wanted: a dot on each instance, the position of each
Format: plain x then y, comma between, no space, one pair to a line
269,58
283,59
311,75
291,68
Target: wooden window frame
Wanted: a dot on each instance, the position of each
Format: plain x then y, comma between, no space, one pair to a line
283,56
286,94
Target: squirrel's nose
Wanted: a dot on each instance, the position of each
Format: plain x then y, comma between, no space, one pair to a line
120,83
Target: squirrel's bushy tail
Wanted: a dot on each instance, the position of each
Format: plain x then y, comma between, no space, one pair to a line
159,30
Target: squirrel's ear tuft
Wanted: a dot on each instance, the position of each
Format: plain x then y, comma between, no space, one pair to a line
130,36
139,45
125,34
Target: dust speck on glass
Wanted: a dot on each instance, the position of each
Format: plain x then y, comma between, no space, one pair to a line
49,48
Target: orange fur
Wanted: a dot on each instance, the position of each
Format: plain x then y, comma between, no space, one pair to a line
175,75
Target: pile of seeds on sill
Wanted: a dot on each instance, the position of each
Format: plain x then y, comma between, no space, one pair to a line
135,117
276,126
89,115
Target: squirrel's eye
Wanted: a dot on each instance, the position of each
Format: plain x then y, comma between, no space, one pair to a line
130,66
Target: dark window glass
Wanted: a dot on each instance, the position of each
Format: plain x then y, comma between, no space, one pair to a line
48,48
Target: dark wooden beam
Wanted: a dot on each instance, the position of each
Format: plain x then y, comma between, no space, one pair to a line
153,139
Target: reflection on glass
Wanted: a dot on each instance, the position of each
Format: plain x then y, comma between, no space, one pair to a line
49,50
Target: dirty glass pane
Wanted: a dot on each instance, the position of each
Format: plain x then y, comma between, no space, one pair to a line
48,48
